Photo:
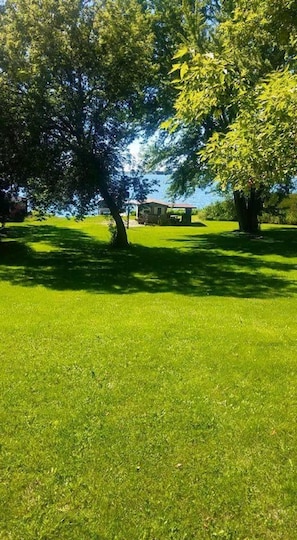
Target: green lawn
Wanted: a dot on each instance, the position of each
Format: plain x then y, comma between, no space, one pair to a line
148,394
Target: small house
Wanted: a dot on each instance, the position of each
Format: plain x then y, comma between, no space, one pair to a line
153,211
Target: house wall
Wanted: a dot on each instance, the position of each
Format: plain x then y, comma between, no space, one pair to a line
152,212
152,208
158,210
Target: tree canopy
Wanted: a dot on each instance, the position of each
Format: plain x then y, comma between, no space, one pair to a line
234,77
80,73
259,149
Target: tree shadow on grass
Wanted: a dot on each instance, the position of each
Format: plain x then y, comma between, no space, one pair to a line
212,264
279,241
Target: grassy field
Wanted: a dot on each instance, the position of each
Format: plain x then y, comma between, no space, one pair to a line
148,394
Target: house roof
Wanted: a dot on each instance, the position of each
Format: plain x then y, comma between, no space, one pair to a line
155,201
162,203
182,205
149,201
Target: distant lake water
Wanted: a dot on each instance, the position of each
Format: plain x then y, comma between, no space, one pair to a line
200,199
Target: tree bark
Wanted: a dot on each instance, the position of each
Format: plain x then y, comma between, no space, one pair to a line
120,240
253,211
248,209
240,207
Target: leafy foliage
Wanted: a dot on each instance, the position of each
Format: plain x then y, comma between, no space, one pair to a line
235,80
219,211
176,147
259,148
282,211
80,71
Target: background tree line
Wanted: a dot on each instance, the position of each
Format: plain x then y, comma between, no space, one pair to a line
274,210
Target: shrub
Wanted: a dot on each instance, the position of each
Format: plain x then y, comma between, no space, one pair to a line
282,212
219,211
275,211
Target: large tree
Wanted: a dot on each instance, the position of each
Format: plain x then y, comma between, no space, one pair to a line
218,70
81,73
258,153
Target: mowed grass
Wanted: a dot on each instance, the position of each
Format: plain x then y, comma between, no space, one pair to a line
148,394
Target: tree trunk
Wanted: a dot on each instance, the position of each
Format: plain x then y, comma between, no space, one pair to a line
248,209
120,239
240,207
253,211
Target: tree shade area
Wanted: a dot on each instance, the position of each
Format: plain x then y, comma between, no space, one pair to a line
147,393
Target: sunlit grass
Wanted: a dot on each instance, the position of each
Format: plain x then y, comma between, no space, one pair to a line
148,395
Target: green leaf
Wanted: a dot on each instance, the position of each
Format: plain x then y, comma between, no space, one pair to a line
183,70
174,68
181,52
